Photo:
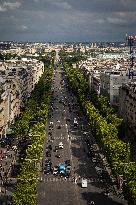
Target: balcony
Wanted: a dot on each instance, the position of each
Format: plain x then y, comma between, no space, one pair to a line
1,100
1,110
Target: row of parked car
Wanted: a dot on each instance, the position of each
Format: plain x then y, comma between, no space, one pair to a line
92,148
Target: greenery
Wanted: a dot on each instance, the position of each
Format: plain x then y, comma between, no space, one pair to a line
31,129
73,57
7,56
104,124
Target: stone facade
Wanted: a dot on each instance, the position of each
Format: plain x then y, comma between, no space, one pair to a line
127,104
110,83
18,80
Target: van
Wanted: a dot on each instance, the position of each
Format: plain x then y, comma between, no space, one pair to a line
84,183
60,145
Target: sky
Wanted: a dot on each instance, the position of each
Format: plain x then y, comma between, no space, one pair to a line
67,20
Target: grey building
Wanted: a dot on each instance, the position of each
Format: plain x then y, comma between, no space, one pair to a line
127,104
110,81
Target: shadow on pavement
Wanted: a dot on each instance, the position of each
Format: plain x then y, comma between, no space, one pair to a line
99,199
87,170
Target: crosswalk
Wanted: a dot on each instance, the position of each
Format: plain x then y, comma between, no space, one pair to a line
70,138
55,179
70,179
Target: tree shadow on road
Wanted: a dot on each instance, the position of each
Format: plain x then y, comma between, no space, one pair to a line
86,169
99,199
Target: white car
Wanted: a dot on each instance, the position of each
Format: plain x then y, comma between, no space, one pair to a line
60,145
55,171
84,183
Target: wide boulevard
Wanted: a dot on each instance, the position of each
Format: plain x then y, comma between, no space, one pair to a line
56,190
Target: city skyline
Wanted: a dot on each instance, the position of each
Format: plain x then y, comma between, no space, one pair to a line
60,21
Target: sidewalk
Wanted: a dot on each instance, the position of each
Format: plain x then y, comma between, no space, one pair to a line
113,180
117,191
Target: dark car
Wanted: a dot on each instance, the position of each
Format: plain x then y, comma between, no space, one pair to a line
50,147
89,154
48,154
48,162
67,162
57,155
68,119
68,171
47,169
52,138
49,133
56,148
59,127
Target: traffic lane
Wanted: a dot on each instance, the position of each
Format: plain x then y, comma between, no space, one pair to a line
80,139
60,135
78,134
83,165
86,170
58,188
102,185
87,167
64,153
59,132
80,170
57,193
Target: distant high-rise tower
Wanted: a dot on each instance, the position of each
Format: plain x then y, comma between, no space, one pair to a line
130,42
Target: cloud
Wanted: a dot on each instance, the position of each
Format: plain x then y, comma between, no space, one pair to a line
67,19
2,8
23,27
116,20
10,6
62,5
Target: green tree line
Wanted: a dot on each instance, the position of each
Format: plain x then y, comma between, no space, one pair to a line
31,127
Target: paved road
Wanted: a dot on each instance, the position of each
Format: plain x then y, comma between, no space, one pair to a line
54,190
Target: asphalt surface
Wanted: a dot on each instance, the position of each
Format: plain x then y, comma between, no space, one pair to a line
56,190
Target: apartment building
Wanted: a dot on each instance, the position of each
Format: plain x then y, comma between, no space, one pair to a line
9,104
110,81
18,79
127,103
